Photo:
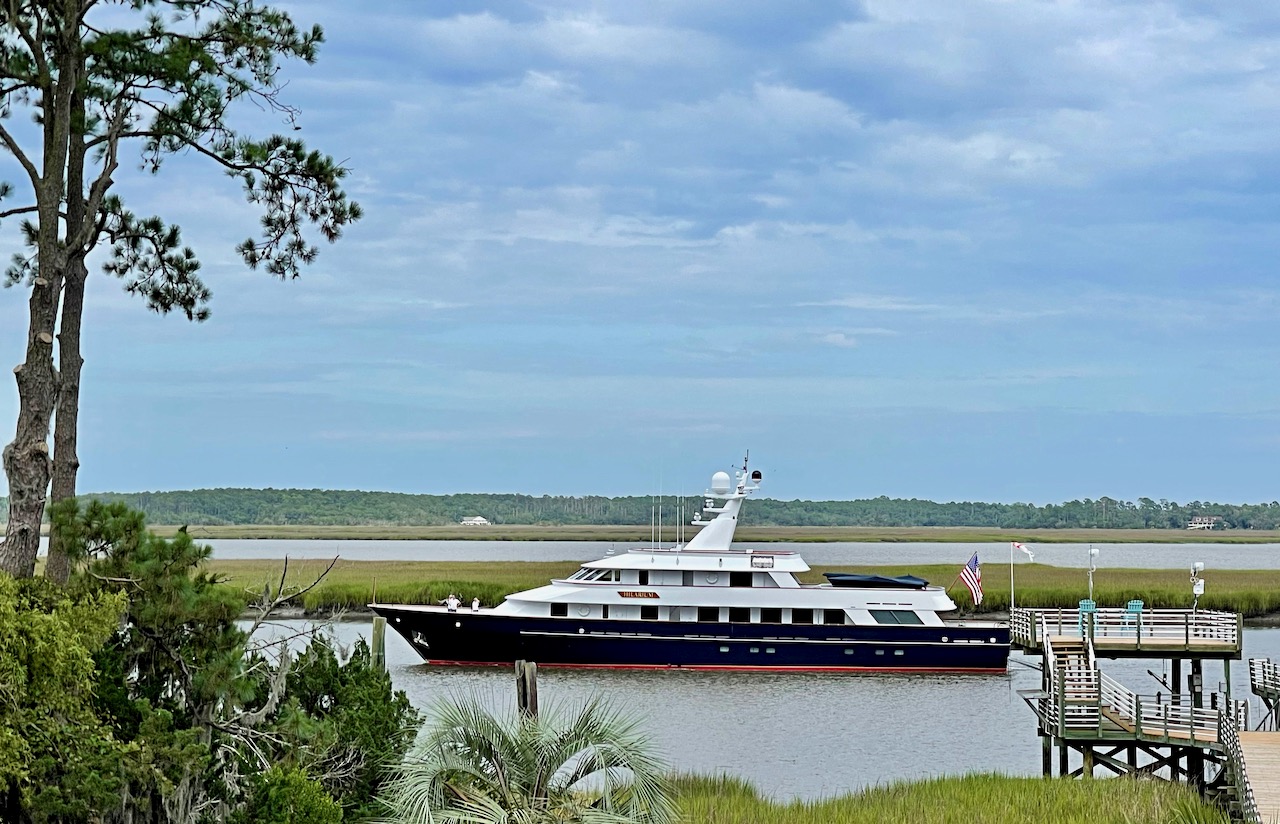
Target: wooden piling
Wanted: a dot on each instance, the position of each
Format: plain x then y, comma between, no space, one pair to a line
527,688
379,644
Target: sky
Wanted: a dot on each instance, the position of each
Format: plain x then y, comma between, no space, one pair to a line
960,251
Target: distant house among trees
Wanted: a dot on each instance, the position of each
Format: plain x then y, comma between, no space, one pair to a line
475,520
1204,522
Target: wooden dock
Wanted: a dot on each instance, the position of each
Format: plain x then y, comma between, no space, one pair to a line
1121,633
1261,756
1185,734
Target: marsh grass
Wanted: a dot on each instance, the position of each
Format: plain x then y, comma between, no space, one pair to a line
971,799
352,584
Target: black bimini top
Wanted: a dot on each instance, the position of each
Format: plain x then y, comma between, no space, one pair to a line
850,579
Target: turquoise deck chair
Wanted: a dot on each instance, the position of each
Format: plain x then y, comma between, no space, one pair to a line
1087,609
1132,618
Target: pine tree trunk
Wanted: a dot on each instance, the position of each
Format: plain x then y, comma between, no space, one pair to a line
66,461
26,460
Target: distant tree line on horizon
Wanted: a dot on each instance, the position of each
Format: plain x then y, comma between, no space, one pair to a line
353,508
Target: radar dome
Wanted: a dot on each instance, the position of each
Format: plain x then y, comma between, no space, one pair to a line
720,483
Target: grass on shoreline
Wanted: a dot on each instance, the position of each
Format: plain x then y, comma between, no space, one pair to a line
351,584
764,534
970,799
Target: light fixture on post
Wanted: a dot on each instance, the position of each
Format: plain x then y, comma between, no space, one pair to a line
1197,585
1093,559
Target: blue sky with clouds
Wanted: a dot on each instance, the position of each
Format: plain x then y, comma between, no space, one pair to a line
982,250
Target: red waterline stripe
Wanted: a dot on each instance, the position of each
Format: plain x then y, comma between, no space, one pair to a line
716,667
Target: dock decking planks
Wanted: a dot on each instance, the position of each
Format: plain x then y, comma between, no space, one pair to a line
1262,763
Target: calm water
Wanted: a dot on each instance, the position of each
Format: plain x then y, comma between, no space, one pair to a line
1147,556
810,735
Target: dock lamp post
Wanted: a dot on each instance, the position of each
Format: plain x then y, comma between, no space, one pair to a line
1197,585
1093,564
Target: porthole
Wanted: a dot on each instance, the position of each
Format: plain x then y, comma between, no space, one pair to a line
848,651
724,649
581,630
712,577
769,650
755,649
897,652
879,652
992,640
945,639
457,624
584,610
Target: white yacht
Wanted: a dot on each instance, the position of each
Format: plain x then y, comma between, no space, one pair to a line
705,605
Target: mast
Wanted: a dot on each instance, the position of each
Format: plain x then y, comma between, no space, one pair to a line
718,534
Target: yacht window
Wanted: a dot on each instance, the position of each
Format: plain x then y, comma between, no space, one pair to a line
604,610
580,574
644,577
802,616
559,610
690,579
771,615
739,615
739,579
708,614
833,616
648,613
895,616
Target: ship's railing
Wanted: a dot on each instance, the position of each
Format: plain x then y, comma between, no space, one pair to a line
1028,627
1229,739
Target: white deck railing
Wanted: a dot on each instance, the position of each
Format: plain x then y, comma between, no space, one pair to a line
1229,739
1084,698
1028,627
1264,677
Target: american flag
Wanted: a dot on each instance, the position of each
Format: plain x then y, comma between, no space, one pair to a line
971,574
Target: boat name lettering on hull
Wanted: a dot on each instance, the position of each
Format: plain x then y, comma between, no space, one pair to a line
631,593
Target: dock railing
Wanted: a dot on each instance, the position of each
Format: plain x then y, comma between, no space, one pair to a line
1229,740
1264,681
1085,701
1159,627
1264,676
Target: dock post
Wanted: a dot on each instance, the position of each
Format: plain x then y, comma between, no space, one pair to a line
527,688
379,644
1046,756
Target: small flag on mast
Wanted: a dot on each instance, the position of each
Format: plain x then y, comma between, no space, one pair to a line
1023,547
971,574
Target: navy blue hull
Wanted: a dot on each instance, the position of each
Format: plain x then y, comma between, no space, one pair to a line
442,637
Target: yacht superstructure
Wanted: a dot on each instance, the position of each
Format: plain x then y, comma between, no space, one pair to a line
706,605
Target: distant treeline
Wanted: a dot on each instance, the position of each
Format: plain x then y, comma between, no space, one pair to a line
348,508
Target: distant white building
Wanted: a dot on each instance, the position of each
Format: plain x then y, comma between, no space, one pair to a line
476,520
1204,521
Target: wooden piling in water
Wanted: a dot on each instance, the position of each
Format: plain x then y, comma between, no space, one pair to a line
527,688
379,643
